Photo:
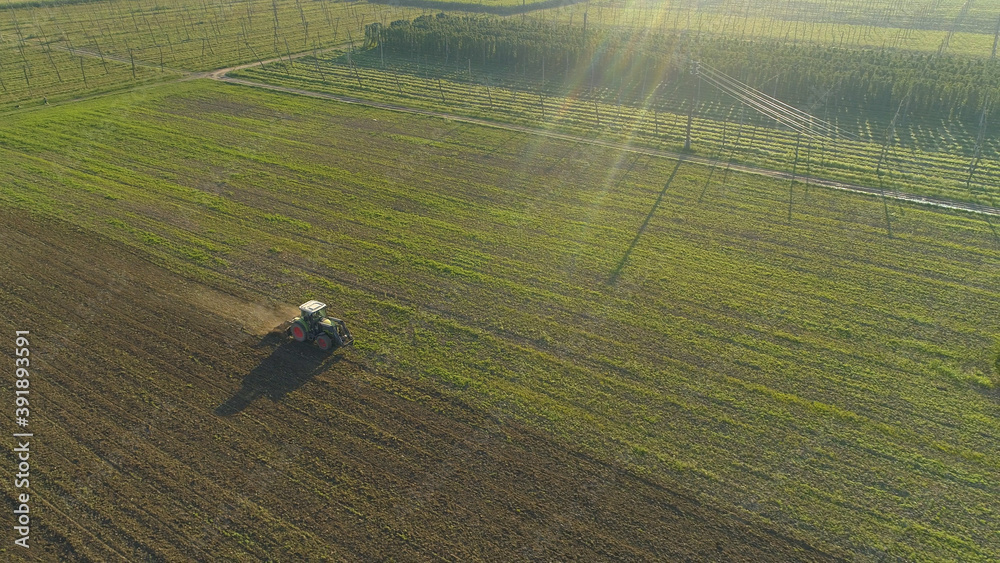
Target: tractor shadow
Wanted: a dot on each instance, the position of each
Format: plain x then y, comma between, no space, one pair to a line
289,366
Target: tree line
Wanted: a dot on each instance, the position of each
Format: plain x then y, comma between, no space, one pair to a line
637,66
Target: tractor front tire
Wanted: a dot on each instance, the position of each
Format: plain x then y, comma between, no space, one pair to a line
324,342
298,331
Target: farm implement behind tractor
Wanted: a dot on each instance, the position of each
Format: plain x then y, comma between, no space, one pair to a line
313,325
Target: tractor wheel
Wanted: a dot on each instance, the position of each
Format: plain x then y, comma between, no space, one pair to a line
298,332
324,342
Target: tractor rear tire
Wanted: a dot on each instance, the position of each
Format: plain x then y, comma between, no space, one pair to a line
324,342
298,331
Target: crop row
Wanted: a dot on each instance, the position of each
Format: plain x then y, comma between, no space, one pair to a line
810,372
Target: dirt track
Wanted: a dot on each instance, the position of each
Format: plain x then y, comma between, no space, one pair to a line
165,431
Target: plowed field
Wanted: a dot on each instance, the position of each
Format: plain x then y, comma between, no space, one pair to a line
167,430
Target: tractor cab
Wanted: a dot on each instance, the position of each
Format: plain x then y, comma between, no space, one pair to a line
313,311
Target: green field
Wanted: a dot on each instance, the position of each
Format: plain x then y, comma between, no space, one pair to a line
931,156
813,374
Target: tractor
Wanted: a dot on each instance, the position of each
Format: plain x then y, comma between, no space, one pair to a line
313,325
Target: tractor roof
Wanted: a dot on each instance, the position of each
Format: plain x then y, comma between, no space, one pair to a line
310,307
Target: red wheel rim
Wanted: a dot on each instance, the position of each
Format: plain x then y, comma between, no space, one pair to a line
323,342
297,332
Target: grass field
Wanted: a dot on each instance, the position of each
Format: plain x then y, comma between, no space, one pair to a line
811,376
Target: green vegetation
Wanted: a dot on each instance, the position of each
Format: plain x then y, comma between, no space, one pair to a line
996,363
498,7
811,373
930,157
916,25
637,66
961,27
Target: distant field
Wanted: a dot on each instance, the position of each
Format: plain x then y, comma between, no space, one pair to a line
496,7
55,50
931,158
484,5
921,25
800,19
810,375
944,15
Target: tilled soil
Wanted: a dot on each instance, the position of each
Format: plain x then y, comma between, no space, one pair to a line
165,430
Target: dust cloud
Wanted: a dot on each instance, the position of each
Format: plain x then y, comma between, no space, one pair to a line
255,318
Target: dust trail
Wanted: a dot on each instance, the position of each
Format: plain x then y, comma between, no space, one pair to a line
256,318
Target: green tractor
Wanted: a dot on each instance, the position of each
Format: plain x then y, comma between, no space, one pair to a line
312,324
